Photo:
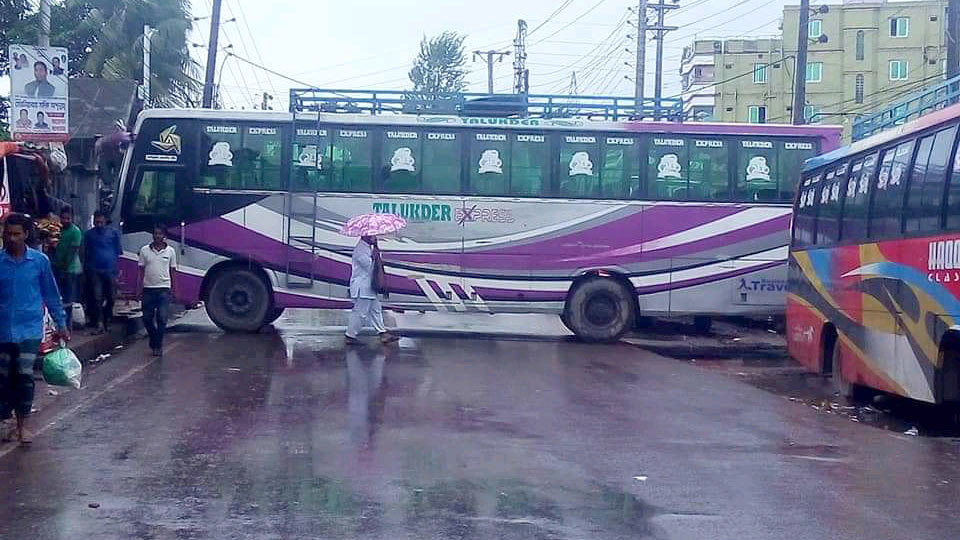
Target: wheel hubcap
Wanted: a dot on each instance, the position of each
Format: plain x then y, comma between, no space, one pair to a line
601,310
238,299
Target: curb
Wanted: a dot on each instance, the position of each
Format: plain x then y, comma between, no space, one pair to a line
715,351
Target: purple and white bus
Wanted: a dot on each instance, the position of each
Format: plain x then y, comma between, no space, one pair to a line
598,222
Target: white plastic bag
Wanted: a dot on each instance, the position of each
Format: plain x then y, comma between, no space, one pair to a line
78,317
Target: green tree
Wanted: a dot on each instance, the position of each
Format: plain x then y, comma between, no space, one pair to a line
438,69
104,38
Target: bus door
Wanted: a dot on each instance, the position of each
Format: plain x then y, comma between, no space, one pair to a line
158,196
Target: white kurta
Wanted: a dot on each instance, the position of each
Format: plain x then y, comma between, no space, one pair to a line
366,305
361,271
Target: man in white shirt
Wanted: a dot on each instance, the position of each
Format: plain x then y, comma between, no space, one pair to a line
157,259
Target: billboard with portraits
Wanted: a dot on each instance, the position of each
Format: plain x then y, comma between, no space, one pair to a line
38,93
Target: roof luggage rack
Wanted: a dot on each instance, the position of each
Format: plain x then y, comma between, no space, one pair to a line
376,102
925,101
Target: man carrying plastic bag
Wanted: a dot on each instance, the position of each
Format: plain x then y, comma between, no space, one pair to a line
26,286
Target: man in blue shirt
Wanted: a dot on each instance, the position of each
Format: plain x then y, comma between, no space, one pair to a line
101,249
26,287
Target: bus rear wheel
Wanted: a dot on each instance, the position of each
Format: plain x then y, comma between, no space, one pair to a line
273,315
239,300
600,310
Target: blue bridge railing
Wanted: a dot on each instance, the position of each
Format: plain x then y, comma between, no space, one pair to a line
486,105
915,105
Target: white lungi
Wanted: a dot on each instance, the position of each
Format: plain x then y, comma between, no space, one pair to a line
364,310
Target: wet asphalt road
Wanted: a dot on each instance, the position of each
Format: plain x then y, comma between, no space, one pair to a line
287,434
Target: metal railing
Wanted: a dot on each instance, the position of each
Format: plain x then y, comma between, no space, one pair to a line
486,105
925,101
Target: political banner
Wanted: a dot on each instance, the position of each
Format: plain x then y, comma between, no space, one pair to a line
38,93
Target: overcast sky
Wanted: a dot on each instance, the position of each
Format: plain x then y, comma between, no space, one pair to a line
371,43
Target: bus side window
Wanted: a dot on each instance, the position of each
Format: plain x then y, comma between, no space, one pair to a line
806,221
579,171
758,171
830,202
401,161
792,154
857,195
259,158
441,162
351,155
218,166
925,192
709,169
668,168
620,175
953,193
311,160
886,208
489,163
529,165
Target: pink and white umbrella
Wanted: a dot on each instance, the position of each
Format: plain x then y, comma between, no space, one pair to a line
373,225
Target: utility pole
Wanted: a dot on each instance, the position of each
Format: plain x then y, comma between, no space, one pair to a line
800,77
953,38
43,33
521,76
660,30
489,55
573,83
641,63
211,55
145,86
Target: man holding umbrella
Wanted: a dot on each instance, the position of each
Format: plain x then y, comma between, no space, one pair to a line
366,273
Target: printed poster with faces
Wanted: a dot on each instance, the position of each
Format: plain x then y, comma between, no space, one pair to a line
38,93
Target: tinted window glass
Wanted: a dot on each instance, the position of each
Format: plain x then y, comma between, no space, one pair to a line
259,159
914,192
489,163
925,196
791,158
620,176
831,202
441,162
156,195
709,170
857,198
219,166
311,160
953,194
757,171
576,172
529,164
351,155
668,168
400,161
887,206
804,222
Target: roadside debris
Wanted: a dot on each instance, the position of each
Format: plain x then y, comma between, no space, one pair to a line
641,478
913,432
53,392
94,505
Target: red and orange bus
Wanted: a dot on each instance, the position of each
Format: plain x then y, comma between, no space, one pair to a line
874,268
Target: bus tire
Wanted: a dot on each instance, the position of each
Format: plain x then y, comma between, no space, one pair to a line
239,300
600,310
841,385
273,315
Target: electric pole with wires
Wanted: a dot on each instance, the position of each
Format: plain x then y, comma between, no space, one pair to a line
658,32
489,58
211,56
641,63
521,75
800,76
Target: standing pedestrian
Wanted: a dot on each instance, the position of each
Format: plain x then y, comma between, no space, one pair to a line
27,286
365,266
156,279
101,251
66,262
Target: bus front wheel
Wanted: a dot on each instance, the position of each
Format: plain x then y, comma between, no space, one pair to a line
600,310
239,300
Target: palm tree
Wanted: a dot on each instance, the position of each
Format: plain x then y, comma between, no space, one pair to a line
105,39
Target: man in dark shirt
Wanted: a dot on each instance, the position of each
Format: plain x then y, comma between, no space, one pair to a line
39,87
101,248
